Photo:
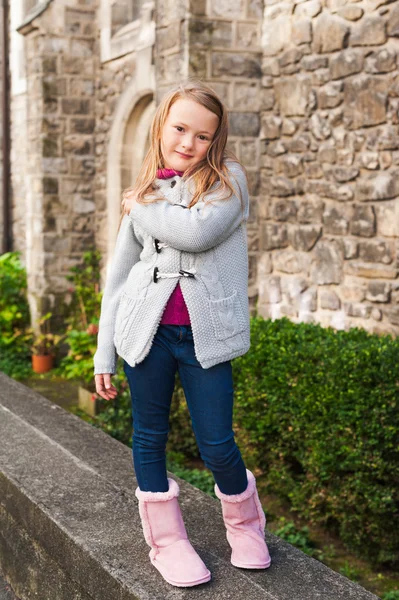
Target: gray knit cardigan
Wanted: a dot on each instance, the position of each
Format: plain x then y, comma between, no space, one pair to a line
204,248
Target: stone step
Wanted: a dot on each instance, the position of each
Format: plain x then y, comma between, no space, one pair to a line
70,526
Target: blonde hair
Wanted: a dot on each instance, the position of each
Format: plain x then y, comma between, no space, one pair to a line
204,174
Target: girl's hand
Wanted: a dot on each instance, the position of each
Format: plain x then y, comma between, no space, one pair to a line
128,203
104,388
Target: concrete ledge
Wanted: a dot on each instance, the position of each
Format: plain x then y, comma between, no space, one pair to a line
70,527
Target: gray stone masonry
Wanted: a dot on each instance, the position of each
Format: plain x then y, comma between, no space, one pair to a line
329,199
70,527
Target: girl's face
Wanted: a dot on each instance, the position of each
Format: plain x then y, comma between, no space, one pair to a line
187,134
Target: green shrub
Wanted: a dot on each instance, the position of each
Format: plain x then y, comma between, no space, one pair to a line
317,411
393,595
15,338
82,320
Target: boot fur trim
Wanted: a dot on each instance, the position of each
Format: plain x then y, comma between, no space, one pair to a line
173,492
251,487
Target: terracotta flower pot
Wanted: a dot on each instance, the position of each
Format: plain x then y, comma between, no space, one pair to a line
41,363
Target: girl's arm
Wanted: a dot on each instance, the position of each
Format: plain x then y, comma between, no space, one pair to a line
201,227
126,254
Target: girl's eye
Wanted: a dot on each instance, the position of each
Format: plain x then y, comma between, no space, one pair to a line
204,138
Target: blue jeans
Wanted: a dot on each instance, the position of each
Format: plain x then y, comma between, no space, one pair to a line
209,395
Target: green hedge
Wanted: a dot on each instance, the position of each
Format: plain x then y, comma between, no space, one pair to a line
316,411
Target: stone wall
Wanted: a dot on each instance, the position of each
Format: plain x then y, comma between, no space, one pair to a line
329,208
61,55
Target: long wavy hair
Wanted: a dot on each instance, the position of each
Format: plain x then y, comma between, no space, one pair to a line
204,174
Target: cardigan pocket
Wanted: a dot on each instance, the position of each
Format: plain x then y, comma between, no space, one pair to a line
126,316
227,316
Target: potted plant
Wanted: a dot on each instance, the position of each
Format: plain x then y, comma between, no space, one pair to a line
44,346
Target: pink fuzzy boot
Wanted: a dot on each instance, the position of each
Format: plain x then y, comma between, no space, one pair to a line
164,531
245,522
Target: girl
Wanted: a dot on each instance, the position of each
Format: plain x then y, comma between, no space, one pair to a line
176,298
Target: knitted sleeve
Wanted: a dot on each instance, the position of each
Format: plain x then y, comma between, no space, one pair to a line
201,227
126,254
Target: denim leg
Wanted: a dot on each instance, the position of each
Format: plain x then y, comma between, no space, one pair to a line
151,385
209,395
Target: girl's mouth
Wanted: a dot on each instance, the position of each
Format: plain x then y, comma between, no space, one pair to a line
184,155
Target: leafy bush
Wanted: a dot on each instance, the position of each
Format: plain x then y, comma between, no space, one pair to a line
15,337
316,410
393,595
82,321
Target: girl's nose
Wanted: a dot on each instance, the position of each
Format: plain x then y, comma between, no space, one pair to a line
188,142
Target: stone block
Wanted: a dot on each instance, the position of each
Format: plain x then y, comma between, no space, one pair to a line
270,290
369,160
327,264
282,186
248,35
302,31
330,34
327,153
335,220
274,235
292,95
233,8
359,310
393,22
235,65
308,9
376,251
312,62
345,63
382,186
304,237
275,34
344,174
365,101
197,63
254,9
76,106
350,13
310,210
330,95
307,301
388,218
371,271
350,248
271,127
313,170
329,300
320,127
290,165
264,264
244,124
370,31
363,222
284,210
378,291
288,261
381,61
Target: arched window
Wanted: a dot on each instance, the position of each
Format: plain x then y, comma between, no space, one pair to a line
126,26
124,12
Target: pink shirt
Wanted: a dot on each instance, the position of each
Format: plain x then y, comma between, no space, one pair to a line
175,312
